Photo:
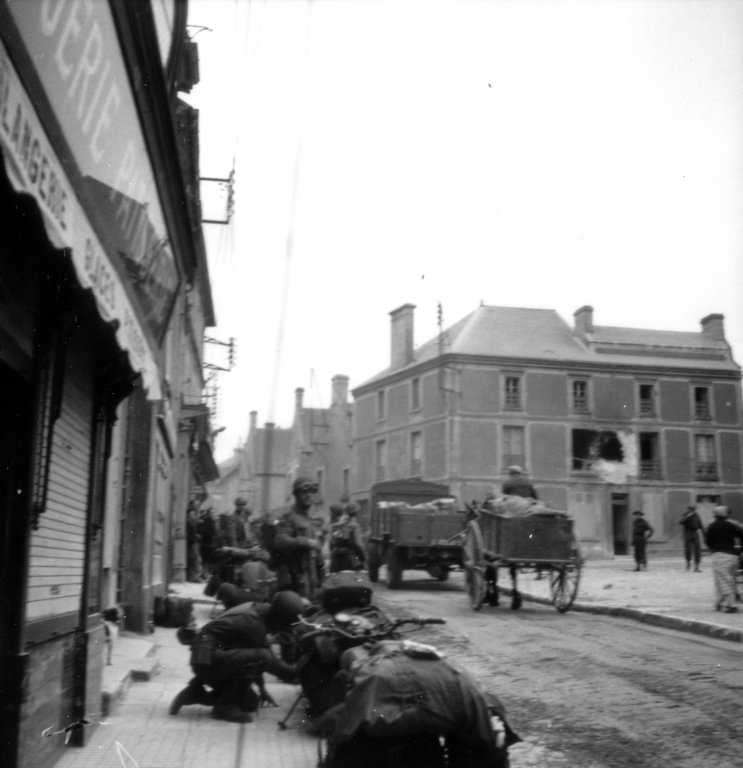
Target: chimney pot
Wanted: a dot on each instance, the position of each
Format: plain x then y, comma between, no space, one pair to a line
340,389
714,326
401,335
584,319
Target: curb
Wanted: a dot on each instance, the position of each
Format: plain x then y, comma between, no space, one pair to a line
655,619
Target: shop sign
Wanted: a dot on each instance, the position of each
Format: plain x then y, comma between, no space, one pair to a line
34,167
77,56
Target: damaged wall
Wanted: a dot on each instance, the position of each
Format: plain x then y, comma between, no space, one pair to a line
611,455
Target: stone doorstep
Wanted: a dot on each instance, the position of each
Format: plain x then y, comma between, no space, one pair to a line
133,660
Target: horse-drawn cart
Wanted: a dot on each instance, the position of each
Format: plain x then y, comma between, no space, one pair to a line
541,541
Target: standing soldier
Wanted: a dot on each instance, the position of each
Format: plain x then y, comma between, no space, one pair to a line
692,526
641,532
297,546
346,542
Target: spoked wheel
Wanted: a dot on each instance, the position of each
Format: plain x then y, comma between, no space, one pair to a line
564,582
472,556
476,586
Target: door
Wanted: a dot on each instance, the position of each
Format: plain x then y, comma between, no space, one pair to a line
620,523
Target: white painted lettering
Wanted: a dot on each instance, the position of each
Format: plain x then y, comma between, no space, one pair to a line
50,13
87,66
113,98
70,32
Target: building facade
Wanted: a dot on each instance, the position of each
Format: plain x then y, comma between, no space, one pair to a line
102,283
604,420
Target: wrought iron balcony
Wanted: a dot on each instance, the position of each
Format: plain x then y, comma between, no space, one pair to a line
705,470
650,470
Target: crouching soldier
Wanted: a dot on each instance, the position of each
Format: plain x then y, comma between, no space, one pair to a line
231,653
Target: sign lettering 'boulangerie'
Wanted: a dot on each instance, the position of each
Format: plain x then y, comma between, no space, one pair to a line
33,167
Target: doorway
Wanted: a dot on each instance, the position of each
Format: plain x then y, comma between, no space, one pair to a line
620,523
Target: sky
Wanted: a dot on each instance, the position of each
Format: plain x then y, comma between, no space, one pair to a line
523,153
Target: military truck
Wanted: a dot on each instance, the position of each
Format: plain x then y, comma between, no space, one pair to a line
415,525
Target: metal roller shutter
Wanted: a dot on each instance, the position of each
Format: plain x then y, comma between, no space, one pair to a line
57,557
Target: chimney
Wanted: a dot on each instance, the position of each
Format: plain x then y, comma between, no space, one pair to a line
714,327
584,320
340,390
298,397
401,335
253,420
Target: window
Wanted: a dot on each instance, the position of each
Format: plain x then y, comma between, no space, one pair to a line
415,395
702,404
649,456
705,457
416,453
647,399
513,446
513,393
580,396
381,459
380,404
591,446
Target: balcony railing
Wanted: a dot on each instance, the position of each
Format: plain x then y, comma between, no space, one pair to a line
650,469
647,408
702,412
705,470
580,404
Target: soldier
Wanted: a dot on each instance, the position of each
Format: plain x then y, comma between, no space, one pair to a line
641,532
346,542
692,526
231,653
297,546
518,485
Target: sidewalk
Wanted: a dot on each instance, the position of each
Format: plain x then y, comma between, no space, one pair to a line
665,595
147,672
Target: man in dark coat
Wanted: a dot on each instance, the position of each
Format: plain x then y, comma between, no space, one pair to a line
518,485
692,525
297,545
231,653
641,532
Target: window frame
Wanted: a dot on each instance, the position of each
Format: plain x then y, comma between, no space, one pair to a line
580,405
416,461
415,394
652,411
509,402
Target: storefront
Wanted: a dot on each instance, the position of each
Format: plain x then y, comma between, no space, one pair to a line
91,257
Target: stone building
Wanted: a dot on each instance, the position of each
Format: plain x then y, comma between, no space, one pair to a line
604,420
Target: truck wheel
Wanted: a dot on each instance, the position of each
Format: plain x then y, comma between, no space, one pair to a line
394,570
439,572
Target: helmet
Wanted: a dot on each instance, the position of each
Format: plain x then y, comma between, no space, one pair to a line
352,508
304,484
286,608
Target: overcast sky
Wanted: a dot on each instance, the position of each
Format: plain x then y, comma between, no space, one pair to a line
544,154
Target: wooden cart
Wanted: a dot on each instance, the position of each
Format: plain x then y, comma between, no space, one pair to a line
542,543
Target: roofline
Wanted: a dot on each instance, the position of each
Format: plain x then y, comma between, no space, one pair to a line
577,366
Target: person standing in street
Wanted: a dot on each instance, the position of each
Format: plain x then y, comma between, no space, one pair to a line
208,534
518,485
723,537
233,534
641,532
297,545
692,525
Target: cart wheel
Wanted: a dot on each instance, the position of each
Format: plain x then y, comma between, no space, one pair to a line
394,570
476,586
564,585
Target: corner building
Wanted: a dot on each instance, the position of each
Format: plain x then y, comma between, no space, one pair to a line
604,420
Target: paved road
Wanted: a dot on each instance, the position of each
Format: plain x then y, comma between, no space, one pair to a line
591,691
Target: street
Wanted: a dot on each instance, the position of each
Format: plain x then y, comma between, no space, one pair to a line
589,691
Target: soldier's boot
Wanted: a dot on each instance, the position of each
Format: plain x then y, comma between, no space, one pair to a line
193,693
